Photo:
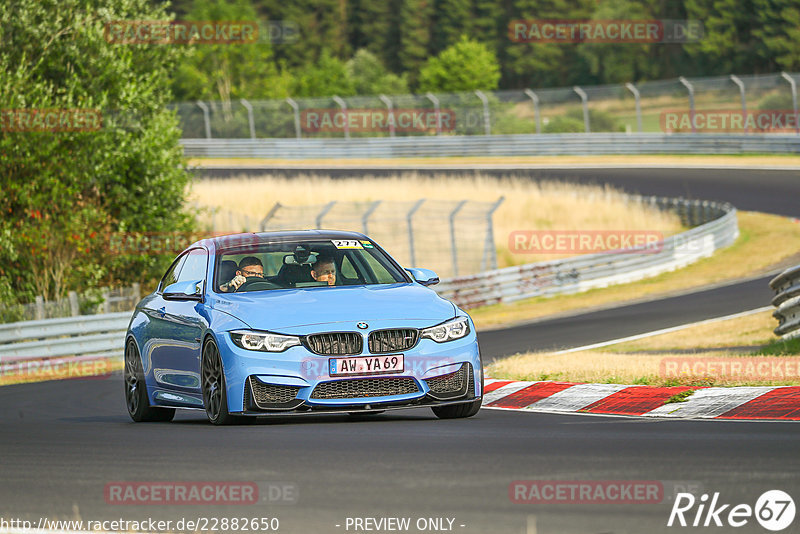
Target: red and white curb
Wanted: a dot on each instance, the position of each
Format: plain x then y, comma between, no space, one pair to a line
768,402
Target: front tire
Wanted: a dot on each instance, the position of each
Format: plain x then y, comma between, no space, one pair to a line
457,411
215,397
136,390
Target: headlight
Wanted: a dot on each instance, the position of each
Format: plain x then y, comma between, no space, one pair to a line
263,341
455,329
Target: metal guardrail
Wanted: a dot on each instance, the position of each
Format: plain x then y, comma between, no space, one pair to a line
103,335
96,335
787,302
582,273
493,145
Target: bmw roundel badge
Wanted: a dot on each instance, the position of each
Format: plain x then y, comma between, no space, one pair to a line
362,326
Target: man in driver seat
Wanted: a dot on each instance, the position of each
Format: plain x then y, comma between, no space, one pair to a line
248,267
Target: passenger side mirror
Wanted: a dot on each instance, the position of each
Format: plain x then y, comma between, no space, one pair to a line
192,290
426,277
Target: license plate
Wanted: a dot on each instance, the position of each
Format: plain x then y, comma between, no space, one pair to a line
366,365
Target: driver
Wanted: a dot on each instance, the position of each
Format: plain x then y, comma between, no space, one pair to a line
324,270
248,267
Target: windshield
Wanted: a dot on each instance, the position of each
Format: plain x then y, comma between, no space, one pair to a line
300,264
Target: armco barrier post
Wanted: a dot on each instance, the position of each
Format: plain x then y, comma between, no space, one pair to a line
453,243
390,108
585,102
489,252
366,215
793,85
735,79
74,308
409,218
690,89
296,112
637,97
206,118
535,99
487,126
250,119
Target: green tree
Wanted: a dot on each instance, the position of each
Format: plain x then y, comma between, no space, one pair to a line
327,77
779,33
414,35
370,77
229,71
64,193
451,20
729,44
465,66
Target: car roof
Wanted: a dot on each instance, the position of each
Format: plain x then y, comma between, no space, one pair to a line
258,238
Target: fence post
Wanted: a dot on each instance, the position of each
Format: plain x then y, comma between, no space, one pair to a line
585,101
409,215
690,89
386,100
206,117
735,79
137,292
365,217
793,85
296,111
106,300
536,116
39,307
432,98
74,308
632,88
489,249
343,106
250,119
270,214
487,125
453,235
324,212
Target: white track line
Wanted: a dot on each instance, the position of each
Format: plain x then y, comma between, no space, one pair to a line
664,330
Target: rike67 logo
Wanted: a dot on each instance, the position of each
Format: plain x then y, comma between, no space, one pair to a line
774,510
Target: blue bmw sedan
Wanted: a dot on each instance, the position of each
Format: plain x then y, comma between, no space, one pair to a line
298,322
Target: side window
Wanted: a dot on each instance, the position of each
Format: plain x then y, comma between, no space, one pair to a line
171,275
194,268
348,271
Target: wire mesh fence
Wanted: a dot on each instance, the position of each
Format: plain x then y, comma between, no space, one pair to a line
667,106
452,237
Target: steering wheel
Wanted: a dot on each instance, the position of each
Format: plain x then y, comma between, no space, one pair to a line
256,283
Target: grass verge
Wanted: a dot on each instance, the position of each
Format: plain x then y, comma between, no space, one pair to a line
753,253
735,352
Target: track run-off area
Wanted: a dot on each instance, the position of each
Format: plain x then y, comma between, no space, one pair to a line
64,443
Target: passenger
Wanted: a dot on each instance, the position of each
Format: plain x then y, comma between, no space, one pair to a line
324,270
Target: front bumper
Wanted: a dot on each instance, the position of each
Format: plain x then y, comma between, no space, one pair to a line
297,381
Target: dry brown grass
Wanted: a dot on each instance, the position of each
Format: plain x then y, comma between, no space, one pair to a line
754,252
622,364
528,205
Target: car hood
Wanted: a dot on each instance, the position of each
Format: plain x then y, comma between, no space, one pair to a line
280,309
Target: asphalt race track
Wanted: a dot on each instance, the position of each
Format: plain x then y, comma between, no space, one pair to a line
62,443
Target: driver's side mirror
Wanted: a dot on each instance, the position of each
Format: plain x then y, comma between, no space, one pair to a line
192,290
426,277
